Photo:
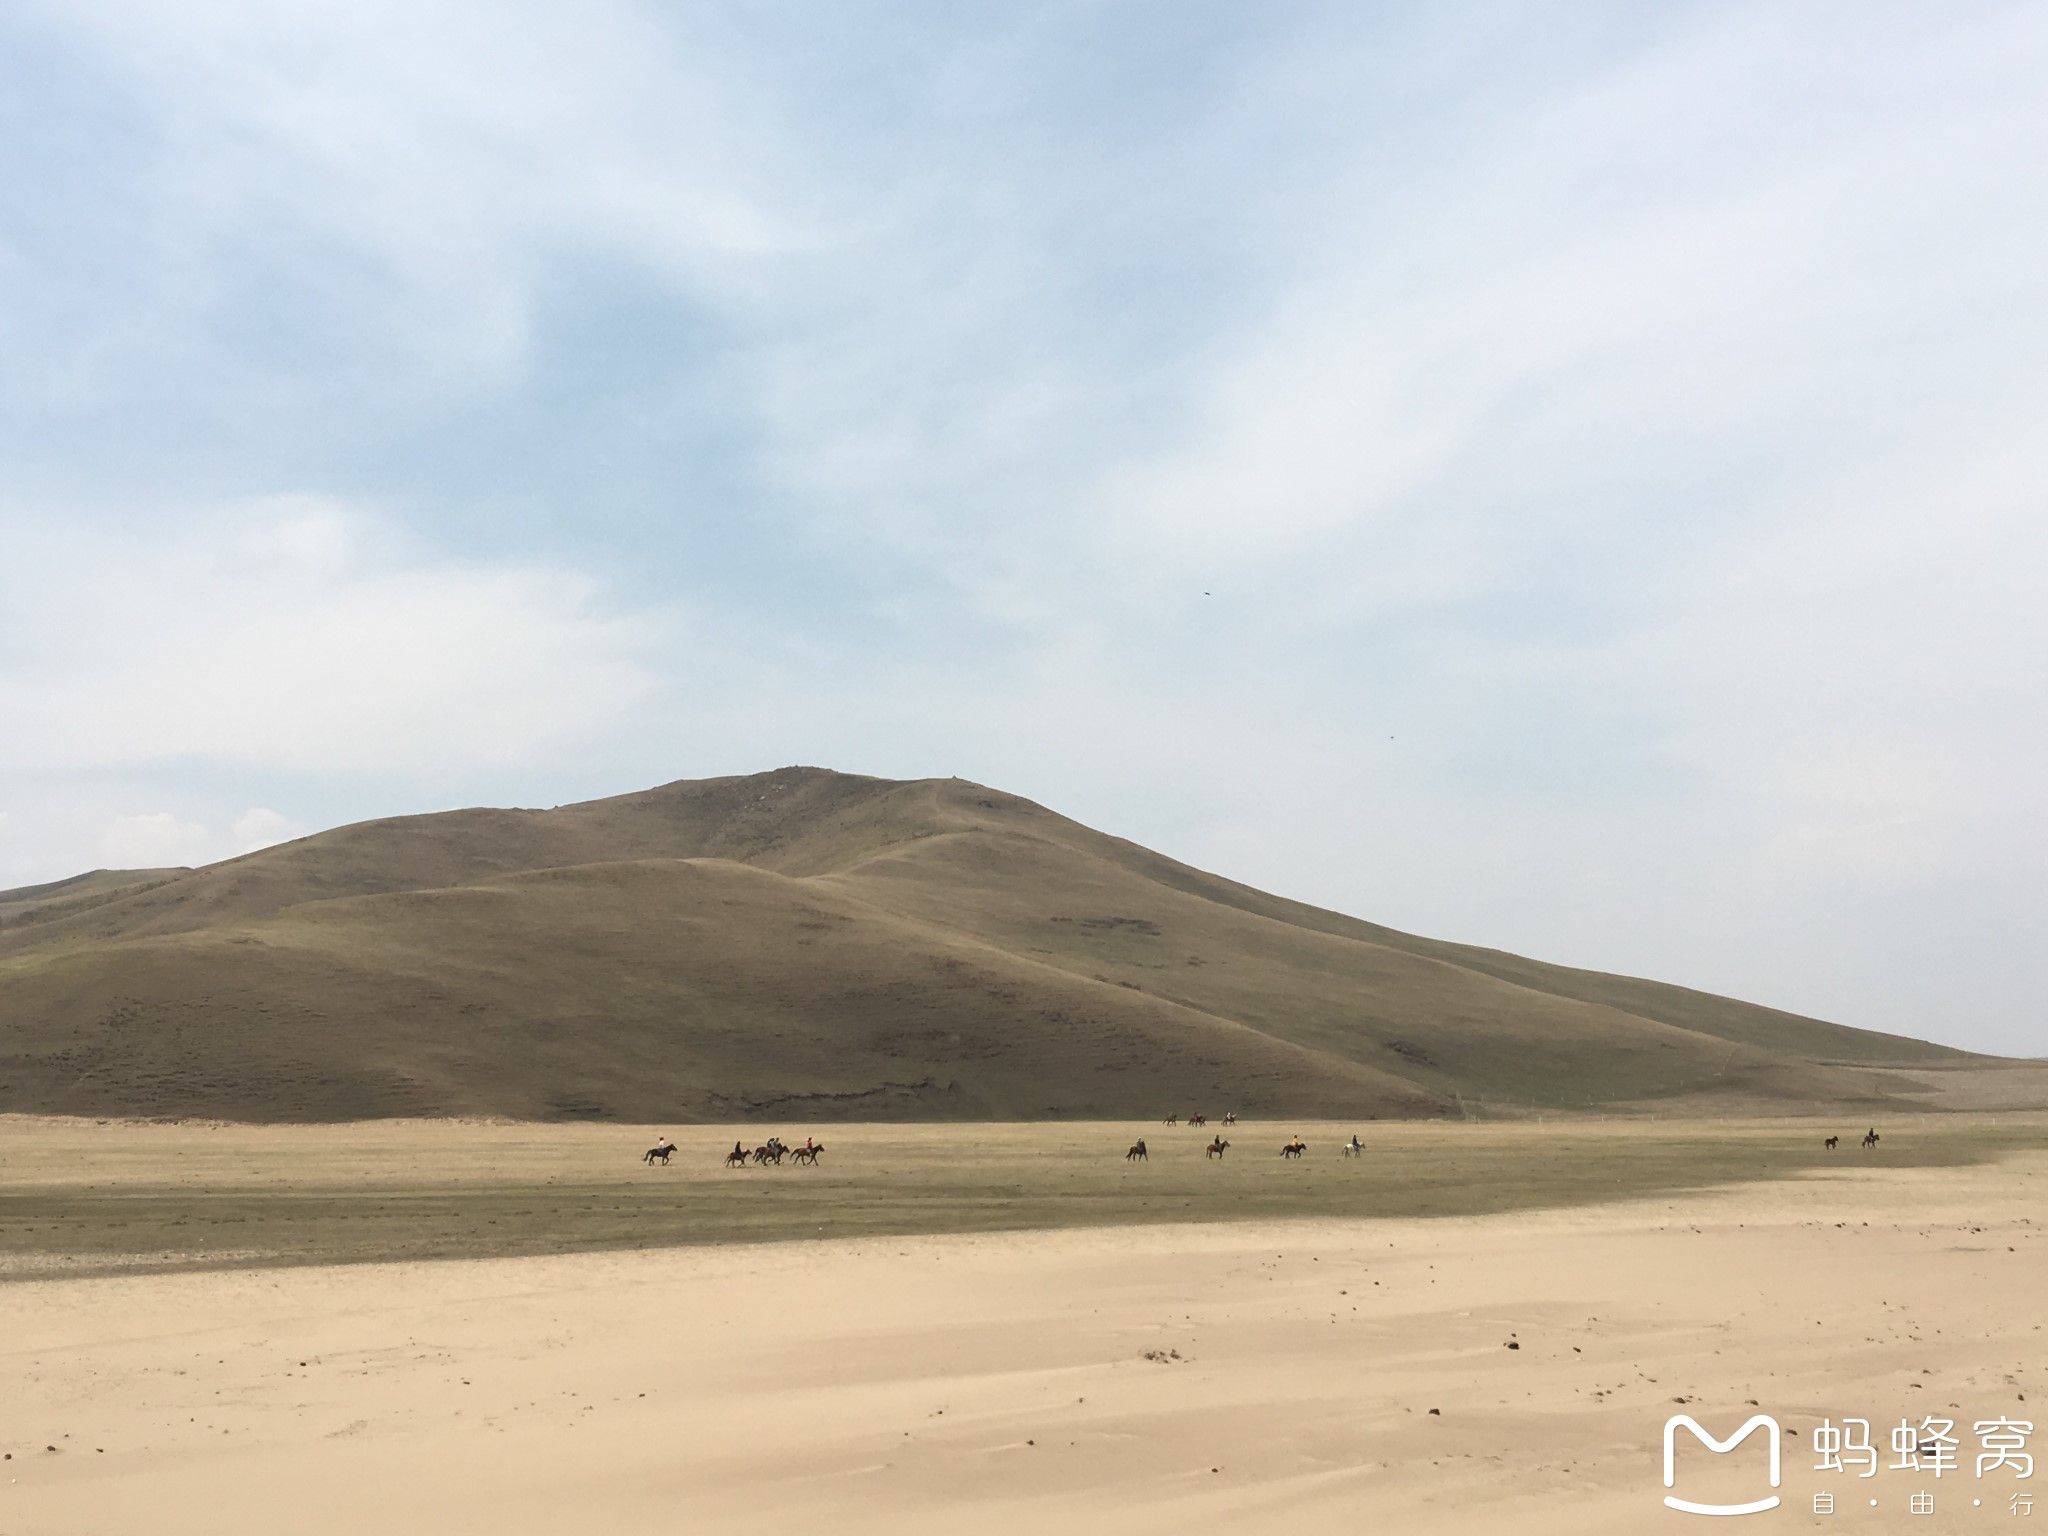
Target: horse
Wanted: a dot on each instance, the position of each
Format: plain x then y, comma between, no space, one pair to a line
1354,1147
1230,1117
1871,1139
1832,1142
771,1153
808,1155
660,1154
1294,1148
1137,1154
735,1158
1218,1147
1198,1119
1173,1119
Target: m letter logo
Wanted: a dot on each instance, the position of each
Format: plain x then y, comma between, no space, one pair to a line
1719,1447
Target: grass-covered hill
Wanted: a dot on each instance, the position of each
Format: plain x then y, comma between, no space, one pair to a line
812,943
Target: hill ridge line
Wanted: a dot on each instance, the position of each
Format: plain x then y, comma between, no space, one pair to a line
913,949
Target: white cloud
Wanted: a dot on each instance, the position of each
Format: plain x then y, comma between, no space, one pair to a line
260,827
445,152
306,637
63,825
1690,257
153,840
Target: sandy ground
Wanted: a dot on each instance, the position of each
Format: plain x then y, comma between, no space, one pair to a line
1269,1377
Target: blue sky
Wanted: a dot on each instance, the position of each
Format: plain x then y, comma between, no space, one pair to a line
1568,482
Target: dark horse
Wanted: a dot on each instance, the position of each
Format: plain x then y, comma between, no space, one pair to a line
808,1155
1137,1154
1198,1119
1832,1142
1871,1138
1218,1147
1294,1148
659,1154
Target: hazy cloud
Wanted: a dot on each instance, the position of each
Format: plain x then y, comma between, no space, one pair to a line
306,637
153,840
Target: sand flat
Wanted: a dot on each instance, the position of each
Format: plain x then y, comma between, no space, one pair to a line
1001,1381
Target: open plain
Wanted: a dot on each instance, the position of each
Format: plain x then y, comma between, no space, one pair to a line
991,1327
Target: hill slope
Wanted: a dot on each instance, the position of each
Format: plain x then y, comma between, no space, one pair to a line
806,943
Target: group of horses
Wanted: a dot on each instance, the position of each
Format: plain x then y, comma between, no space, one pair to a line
769,1154
1138,1154
772,1151
1293,1147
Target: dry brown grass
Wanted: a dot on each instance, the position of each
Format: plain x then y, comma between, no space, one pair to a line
815,945
79,1196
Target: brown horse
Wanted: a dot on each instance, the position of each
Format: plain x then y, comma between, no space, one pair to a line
736,1158
1173,1119
1137,1154
808,1156
1294,1148
1198,1119
1230,1117
1218,1147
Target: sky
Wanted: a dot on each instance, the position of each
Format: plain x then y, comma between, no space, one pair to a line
1563,478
